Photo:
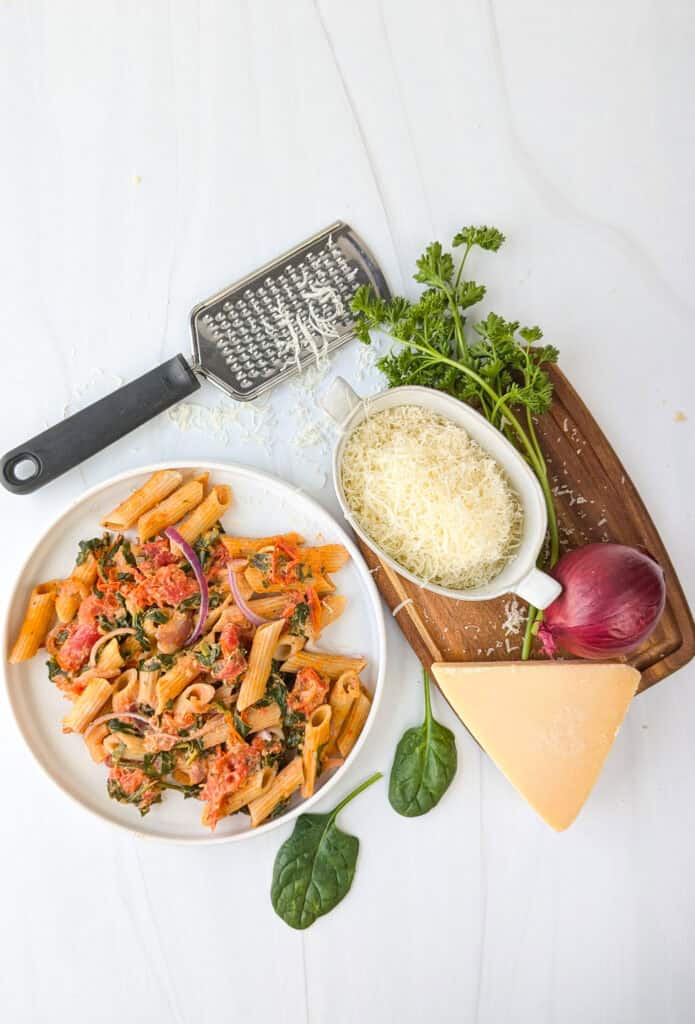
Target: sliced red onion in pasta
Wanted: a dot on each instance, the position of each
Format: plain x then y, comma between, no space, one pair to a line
241,603
123,631
189,554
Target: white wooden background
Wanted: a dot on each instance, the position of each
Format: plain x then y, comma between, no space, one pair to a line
153,152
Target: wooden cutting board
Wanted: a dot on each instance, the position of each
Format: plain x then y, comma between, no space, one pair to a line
595,501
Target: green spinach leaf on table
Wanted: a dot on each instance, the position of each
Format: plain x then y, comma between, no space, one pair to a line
424,765
315,867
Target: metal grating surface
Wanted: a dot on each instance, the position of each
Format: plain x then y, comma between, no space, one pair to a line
276,321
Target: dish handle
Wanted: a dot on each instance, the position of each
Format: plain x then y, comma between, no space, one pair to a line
340,400
538,588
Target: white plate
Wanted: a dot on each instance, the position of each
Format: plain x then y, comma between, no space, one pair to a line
262,505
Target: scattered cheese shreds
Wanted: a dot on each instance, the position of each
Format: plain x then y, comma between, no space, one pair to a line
429,495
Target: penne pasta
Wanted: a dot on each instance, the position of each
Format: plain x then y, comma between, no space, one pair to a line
344,693
354,724
315,737
95,744
262,718
194,699
87,706
286,646
285,783
260,585
220,734
37,621
170,685
260,663
332,607
259,783
154,490
173,508
206,514
109,657
324,559
125,690
332,665
270,607
147,687
72,591
124,746
244,547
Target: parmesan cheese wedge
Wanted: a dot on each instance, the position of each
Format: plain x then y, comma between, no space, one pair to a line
547,726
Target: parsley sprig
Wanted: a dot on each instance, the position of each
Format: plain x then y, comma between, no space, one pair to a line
494,364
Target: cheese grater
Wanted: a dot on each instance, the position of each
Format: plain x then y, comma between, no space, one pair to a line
247,338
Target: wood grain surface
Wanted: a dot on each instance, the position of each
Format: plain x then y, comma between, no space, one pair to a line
595,501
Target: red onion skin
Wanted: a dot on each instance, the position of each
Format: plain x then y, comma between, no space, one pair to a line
613,596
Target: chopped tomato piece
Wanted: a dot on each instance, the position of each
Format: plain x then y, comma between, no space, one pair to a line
169,586
73,653
294,597
284,562
229,638
155,554
92,607
308,693
226,773
230,668
314,603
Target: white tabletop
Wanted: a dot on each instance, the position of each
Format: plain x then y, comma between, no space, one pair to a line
155,152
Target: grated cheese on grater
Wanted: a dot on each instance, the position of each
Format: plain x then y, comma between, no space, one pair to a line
429,495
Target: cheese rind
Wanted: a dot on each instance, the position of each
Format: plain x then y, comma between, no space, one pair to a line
547,726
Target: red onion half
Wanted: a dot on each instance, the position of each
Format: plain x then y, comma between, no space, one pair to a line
175,537
612,599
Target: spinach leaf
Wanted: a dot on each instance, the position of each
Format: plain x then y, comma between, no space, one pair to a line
315,867
424,765
85,546
240,725
54,669
298,618
207,654
129,728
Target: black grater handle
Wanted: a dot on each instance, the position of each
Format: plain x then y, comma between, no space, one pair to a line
67,444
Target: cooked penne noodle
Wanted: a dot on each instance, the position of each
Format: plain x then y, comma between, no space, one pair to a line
109,656
134,746
95,744
260,585
206,514
125,690
286,646
72,591
353,724
86,571
332,665
326,558
270,607
215,614
154,490
344,693
37,622
170,685
329,764
260,663
220,734
259,783
262,718
283,786
194,699
88,704
332,607
147,686
244,547
171,509
316,735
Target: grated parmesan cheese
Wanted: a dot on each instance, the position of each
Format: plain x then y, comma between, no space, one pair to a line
429,495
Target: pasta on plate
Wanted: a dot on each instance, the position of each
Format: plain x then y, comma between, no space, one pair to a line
183,653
